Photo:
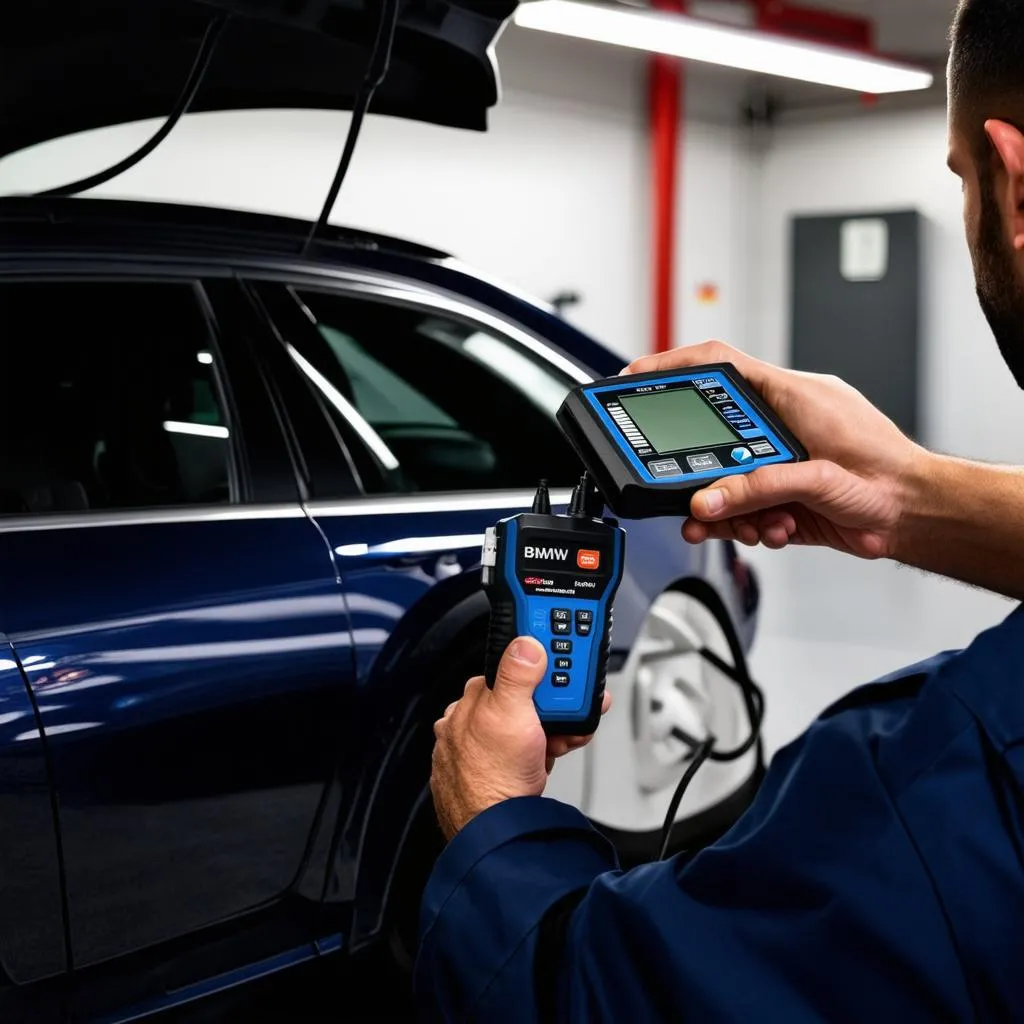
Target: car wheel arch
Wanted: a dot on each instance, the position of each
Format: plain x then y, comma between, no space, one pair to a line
444,653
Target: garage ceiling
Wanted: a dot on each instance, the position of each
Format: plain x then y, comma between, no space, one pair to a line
915,28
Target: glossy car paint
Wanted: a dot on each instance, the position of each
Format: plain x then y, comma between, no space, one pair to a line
31,922
190,678
229,698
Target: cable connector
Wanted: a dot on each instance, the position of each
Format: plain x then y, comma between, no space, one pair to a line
587,502
542,500
578,505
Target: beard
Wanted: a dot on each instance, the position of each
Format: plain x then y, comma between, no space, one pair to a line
1000,289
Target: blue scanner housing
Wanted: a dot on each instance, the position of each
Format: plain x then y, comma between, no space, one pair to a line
652,441
554,578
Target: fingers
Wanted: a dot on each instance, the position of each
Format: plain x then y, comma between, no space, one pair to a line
470,695
758,373
806,483
520,671
776,529
559,746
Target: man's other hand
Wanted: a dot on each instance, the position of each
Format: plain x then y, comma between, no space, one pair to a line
491,746
850,497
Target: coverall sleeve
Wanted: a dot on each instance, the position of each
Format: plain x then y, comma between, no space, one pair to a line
815,907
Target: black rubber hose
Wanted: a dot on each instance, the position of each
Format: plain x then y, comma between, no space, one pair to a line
380,61
200,65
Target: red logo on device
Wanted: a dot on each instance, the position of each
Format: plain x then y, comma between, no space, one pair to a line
589,560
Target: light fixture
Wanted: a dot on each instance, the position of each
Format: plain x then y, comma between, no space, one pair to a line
710,43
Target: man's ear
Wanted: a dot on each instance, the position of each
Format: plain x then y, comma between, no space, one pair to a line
1009,146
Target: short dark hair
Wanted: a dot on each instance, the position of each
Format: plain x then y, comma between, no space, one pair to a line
986,68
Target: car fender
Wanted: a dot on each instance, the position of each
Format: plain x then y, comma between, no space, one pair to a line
418,673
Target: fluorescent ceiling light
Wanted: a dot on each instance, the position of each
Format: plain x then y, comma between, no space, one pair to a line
693,39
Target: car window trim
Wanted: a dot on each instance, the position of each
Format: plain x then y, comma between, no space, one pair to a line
318,449
411,295
368,505
239,476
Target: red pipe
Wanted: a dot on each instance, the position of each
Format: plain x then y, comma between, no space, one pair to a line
667,81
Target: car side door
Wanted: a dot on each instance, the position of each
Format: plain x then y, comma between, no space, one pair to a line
177,614
447,415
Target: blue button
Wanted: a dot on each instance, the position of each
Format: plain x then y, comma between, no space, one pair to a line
742,455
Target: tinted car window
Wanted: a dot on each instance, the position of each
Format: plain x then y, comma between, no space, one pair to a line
111,399
434,403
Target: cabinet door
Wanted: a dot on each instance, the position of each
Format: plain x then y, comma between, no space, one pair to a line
177,614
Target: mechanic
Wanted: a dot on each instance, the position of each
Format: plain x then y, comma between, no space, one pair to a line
880,871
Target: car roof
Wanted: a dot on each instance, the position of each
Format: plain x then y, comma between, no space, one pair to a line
30,222
109,230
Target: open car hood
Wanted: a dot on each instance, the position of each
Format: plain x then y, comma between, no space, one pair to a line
71,65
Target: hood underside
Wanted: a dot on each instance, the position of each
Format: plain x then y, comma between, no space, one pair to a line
71,65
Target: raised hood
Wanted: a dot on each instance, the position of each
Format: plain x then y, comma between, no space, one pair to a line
70,65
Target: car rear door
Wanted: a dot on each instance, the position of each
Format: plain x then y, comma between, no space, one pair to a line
447,413
177,614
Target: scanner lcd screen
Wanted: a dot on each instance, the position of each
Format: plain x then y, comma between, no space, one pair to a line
675,421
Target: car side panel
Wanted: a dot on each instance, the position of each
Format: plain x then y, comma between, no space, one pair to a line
31,921
189,677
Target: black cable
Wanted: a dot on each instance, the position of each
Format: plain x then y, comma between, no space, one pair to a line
753,700
380,61
200,65
701,754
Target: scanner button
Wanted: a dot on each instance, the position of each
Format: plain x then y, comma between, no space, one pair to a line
561,646
560,679
584,615
583,628
564,664
561,627
703,463
560,615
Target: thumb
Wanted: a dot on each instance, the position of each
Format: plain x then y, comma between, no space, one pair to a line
521,669
805,483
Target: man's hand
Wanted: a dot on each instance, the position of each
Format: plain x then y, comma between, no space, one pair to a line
851,496
491,746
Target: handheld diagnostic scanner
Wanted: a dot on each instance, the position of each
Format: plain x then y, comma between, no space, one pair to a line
554,577
653,440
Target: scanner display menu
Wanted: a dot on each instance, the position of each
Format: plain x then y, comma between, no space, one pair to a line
677,420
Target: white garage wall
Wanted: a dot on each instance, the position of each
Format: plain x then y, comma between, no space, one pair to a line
553,197
888,161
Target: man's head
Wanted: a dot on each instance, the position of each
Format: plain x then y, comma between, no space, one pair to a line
986,132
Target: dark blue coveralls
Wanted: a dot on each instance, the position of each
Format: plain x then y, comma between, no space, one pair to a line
878,876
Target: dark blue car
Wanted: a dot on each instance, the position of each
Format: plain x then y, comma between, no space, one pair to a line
242,498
